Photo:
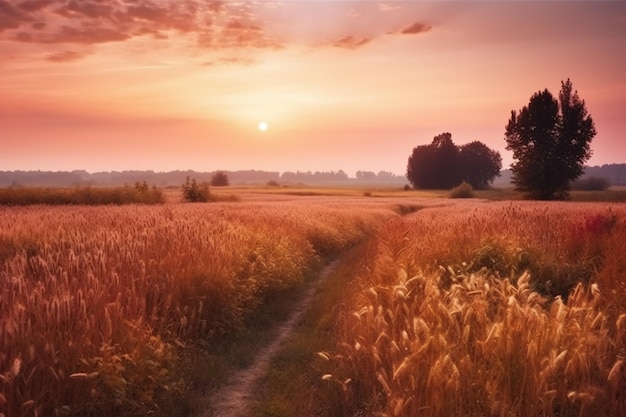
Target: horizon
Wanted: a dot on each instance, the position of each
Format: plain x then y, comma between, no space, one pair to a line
292,85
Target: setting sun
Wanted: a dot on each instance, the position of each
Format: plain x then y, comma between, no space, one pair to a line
263,126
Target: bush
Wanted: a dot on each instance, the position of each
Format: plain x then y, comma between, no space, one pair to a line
591,184
272,183
194,193
407,187
463,190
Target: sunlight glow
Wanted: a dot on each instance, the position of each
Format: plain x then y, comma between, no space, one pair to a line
263,126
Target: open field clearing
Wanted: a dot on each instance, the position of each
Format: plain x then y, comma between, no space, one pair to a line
103,308
613,194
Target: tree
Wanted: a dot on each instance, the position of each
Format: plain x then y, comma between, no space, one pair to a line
219,179
421,169
550,141
446,159
478,164
442,164
435,165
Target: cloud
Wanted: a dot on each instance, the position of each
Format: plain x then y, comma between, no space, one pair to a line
11,17
235,60
64,56
215,24
87,9
351,42
210,25
384,7
34,5
416,28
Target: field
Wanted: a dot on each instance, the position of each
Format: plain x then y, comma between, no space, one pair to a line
487,309
442,307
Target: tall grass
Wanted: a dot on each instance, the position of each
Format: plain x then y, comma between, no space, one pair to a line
488,310
140,193
100,306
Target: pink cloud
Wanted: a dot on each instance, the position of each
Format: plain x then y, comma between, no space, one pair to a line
416,28
64,56
351,42
217,24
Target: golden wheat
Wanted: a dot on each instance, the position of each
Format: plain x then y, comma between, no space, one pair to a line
490,310
97,304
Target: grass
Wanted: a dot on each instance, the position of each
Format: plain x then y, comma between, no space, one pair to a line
293,383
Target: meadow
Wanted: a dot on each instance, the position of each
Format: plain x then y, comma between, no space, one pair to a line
442,307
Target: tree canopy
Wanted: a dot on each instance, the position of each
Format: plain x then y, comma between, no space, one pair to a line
550,140
442,164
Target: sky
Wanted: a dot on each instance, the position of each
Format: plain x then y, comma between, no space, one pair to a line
161,85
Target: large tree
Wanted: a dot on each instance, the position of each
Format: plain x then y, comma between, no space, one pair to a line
435,165
550,141
442,164
478,164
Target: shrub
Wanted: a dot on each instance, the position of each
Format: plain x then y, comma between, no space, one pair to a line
407,187
463,190
141,193
194,193
272,183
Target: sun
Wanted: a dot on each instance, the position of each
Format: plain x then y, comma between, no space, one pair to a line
263,126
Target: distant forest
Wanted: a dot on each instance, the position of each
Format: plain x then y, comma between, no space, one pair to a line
614,173
177,178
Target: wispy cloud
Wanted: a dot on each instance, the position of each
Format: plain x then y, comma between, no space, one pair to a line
386,7
416,28
230,60
350,42
64,56
211,25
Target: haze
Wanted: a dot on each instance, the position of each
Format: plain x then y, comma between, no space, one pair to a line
352,85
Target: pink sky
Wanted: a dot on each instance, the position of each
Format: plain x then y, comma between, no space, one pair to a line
353,85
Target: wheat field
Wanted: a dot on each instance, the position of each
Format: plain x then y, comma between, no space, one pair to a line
487,309
99,304
465,308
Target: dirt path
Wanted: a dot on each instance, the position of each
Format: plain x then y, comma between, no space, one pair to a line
235,398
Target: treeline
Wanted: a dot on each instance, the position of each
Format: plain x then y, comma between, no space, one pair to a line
615,174
117,178
176,178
